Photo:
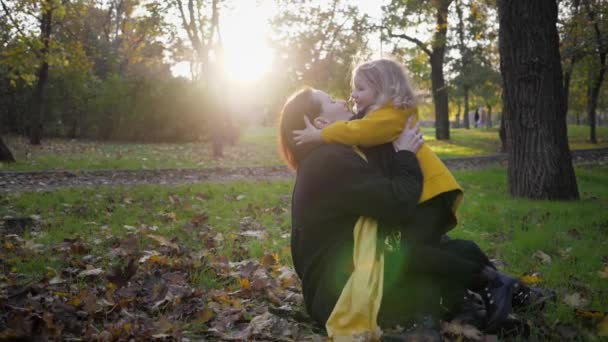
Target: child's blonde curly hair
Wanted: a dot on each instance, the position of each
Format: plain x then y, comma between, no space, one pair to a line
390,82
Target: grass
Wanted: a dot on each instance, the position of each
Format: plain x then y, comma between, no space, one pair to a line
257,146
574,234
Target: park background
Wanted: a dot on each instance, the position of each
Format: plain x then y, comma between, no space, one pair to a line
142,84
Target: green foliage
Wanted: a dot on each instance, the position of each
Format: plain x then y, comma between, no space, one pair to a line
318,44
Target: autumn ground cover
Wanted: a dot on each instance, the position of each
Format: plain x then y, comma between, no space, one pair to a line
257,146
213,259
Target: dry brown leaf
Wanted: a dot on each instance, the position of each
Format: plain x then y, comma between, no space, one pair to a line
163,241
268,260
199,219
459,331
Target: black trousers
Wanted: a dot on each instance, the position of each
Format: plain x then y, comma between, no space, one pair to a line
429,279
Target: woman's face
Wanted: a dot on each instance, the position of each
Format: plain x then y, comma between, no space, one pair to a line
331,109
362,94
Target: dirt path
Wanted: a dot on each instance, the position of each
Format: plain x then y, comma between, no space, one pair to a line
17,181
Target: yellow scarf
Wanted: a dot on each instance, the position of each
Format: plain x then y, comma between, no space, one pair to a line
355,314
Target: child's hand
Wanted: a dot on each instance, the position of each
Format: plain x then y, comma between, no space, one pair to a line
309,134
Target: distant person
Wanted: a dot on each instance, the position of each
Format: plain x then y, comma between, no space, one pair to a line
476,117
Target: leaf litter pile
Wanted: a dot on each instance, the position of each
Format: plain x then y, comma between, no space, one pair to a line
145,283
146,286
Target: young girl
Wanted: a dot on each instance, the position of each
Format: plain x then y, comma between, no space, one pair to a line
384,100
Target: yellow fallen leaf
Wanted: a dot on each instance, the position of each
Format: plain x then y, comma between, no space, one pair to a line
531,279
602,328
76,301
245,283
590,313
205,315
603,274
9,246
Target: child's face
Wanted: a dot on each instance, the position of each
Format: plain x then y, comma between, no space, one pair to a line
362,94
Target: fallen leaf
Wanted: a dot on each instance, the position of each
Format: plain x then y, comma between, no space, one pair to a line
163,241
90,273
460,331
258,234
56,280
170,216
531,279
604,273
590,313
542,256
120,275
199,219
205,315
602,327
565,252
245,283
575,300
268,260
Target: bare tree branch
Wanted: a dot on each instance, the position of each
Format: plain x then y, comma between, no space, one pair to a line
18,28
414,40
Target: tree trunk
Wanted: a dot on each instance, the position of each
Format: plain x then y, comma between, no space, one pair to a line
5,154
489,125
466,109
593,94
539,163
457,122
39,105
502,134
567,81
440,90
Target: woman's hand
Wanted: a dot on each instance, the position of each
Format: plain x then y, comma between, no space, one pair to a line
309,134
410,139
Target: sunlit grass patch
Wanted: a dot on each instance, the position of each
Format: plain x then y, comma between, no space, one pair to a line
257,146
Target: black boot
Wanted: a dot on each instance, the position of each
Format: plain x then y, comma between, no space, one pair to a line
530,298
472,311
497,296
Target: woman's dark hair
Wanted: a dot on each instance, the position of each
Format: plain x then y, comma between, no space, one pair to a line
299,104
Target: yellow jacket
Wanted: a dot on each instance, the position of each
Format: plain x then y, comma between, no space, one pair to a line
383,126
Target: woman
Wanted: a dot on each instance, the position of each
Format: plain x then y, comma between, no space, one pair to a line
335,186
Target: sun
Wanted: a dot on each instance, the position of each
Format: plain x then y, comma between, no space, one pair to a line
244,29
